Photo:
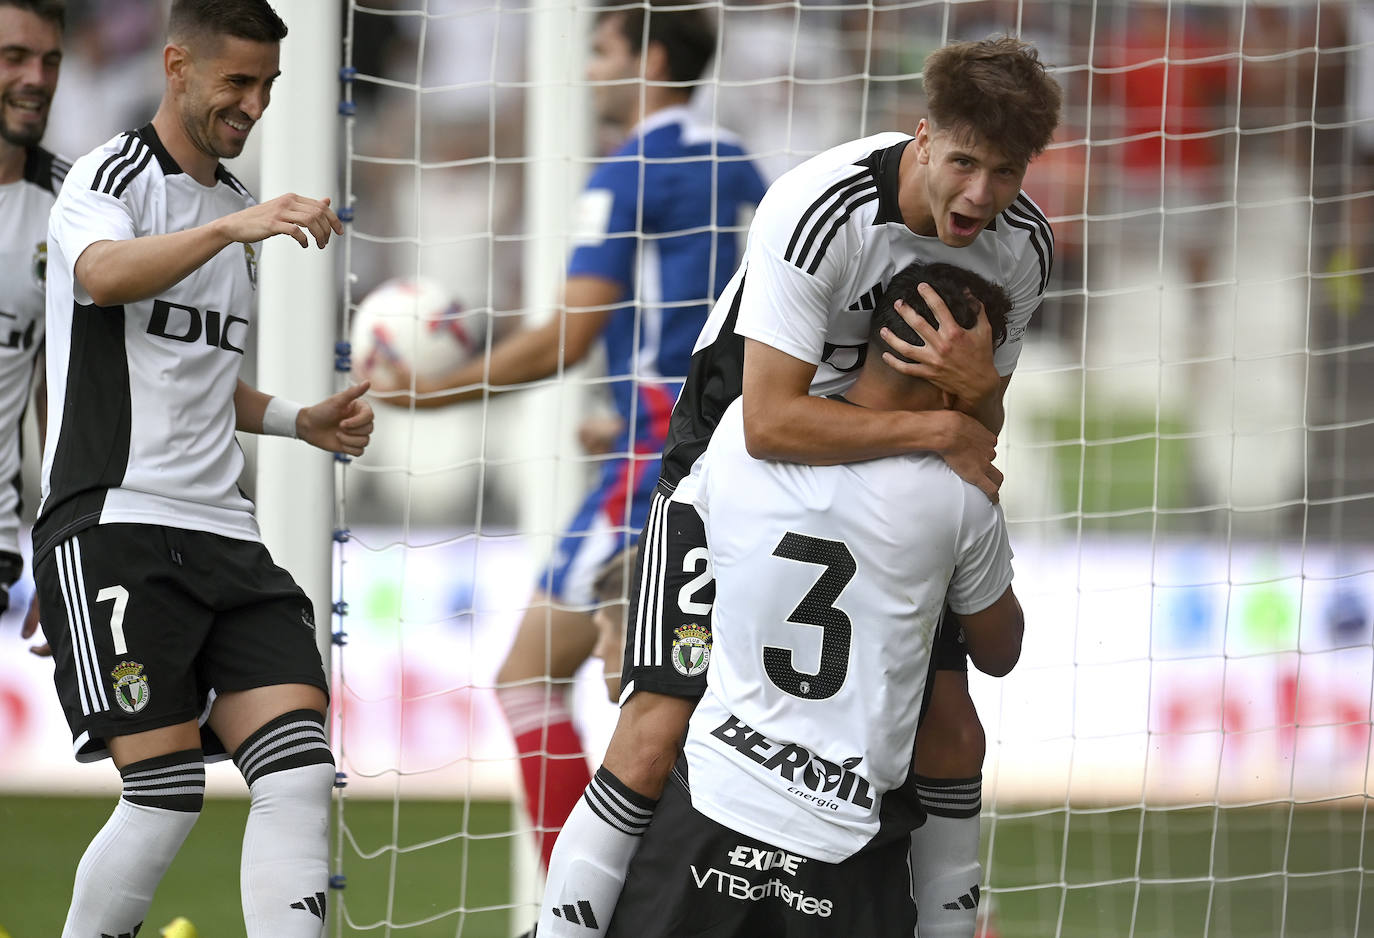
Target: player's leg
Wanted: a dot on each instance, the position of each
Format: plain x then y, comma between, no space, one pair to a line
533,687
269,713
667,647
125,680
950,746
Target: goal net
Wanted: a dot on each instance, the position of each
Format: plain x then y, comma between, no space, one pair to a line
1184,748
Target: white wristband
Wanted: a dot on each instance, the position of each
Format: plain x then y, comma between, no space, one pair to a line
279,419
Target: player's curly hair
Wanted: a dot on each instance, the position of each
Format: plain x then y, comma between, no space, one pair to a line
254,20
687,35
960,288
54,11
995,90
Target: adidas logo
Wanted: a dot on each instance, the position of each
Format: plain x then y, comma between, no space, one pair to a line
312,904
128,934
968,900
570,913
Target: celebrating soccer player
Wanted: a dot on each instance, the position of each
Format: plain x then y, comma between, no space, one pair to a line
175,636
791,812
790,329
655,243
31,43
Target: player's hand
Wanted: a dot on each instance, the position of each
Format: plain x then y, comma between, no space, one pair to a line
341,423
598,434
953,359
969,448
289,214
30,628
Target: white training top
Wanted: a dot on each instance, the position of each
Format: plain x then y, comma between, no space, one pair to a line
24,205
830,581
826,240
142,395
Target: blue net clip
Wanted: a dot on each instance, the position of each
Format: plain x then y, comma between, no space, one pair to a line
340,638
348,108
340,779
338,881
342,535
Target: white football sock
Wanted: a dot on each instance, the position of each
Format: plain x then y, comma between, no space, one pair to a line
126,860
589,862
284,874
944,857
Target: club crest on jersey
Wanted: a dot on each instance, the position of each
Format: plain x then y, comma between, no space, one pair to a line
40,263
130,686
691,649
250,259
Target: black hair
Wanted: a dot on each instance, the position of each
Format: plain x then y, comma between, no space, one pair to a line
687,35
54,11
960,288
254,20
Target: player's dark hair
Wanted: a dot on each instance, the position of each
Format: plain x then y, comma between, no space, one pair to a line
961,289
688,36
54,11
995,90
254,20
609,584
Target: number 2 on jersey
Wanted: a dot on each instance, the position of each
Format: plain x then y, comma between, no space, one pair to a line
816,608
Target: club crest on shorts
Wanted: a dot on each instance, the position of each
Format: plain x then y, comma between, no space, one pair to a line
130,686
250,258
691,649
40,263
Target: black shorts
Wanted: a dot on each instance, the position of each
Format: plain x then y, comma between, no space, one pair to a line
694,877
145,622
668,638
950,651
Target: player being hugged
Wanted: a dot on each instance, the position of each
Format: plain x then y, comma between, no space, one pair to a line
791,811
176,638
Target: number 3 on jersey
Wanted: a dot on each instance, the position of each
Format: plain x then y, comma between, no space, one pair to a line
817,608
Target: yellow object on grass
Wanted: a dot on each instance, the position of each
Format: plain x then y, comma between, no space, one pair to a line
180,927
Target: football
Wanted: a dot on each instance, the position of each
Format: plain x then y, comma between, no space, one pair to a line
413,325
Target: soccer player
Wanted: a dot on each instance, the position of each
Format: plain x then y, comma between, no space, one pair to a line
790,329
791,813
654,244
30,58
176,638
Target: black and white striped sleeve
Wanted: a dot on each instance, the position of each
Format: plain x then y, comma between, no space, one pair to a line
1029,276
799,246
85,212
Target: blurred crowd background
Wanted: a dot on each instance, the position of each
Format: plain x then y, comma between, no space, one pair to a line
1200,365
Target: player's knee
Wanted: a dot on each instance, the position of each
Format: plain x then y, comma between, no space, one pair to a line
174,782
951,742
646,741
291,743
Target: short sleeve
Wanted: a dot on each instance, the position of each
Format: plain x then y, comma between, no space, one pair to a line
1029,280
982,571
788,292
606,224
82,216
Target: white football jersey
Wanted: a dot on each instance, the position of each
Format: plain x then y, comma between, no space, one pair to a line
141,413
24,206
826,240
830,581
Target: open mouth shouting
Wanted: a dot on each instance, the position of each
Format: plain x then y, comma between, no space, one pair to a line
964,226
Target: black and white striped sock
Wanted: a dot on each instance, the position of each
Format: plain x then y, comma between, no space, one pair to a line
589,862
284,876
126,860
944,857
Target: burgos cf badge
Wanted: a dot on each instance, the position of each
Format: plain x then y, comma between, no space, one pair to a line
250,258
40,263
691,649
130,686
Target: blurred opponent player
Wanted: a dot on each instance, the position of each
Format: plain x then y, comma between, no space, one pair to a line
30,58
175,636
654,244
792,811
791,328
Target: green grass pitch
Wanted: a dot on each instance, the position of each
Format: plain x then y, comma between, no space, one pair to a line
1253,872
